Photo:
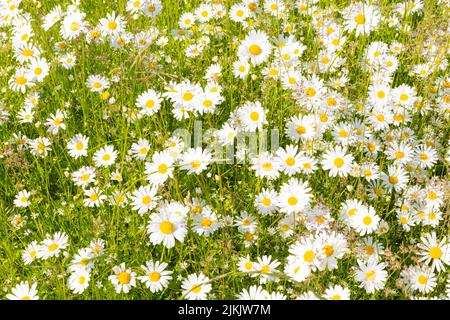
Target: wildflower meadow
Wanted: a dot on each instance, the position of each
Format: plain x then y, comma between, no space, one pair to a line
224,149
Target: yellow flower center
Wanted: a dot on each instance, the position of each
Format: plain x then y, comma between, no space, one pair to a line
166,227
196,288
154,276
422,279
188,96
369,250
21,80
370,275
290,161
343,133
393,180
112,25
432,195
300,130
195,164
435,253
53,247
266,202
124,278
255,50
206,222
399,155
146,200
254,116
309,256
27,52
97,85
267,166
328,250
93,197
310,92
292,201
74,26
338,162
367,220
265,269
162,168
360,18
331,102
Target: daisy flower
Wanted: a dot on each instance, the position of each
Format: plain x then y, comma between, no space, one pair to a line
255,47
23,291
73,25
140,149
435,252
105,157
266,201
396,178
289,160
79,281
165,228
371,274
78,145
144,199
423,279
241,68
294,196
112,25
206,223
29,254
195,160
149,102
265,166
156,276
123,279
365,221
265,265
52,246
84,176
22,199
426,156
194,287
160,168
253,293
95,197
361,17
337,292
252,116
97,83
337,161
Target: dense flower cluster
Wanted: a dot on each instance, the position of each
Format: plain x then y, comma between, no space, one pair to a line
104,191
